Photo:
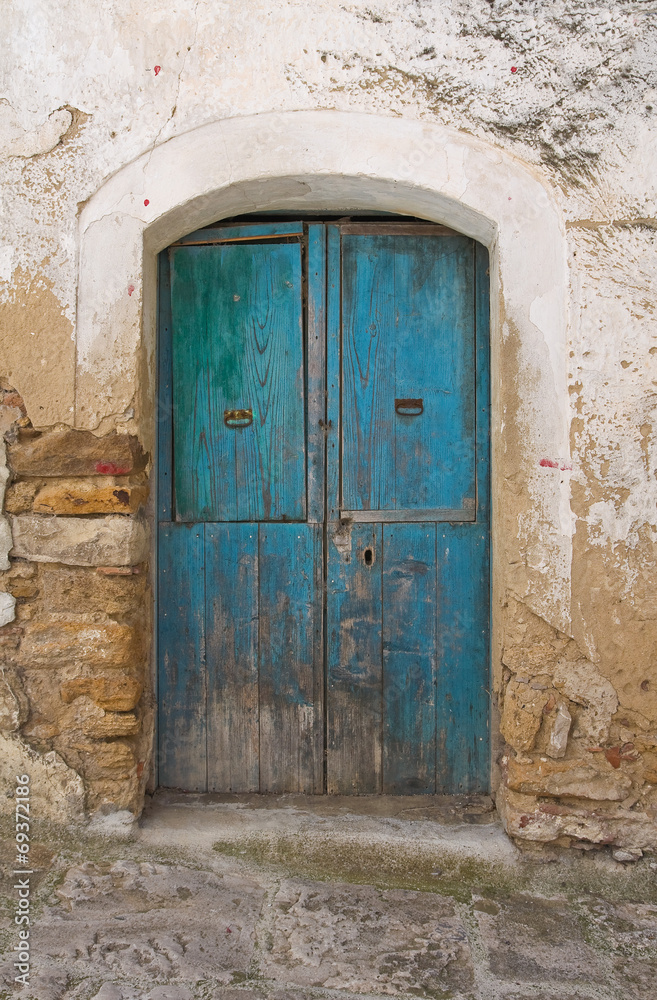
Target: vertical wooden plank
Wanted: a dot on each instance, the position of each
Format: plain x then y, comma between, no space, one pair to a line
482,312
333,375
463,744
354,669
182,679
193,308
270,463
231,616
409,658
163,438
434,361
316,371
368,373
291,743
164,408
238,344
318,752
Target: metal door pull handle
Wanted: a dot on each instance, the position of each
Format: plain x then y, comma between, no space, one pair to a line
409,407
238,418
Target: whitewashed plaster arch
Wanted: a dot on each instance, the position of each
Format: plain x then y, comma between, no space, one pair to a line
326,160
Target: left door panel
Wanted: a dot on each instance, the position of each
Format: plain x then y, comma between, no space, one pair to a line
238,390
240,593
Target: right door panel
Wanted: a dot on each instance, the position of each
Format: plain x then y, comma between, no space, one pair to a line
408,324
408,512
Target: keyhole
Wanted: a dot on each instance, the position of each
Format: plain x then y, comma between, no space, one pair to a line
368,556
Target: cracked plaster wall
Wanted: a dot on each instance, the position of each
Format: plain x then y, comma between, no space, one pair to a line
570,90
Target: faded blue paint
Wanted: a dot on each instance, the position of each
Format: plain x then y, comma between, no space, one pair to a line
353,633
407,604
231,629
181,645
407,332
291,724
409,658
238,344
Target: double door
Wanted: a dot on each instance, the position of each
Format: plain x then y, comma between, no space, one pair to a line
323,499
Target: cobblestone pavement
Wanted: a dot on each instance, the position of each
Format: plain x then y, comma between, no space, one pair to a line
245,898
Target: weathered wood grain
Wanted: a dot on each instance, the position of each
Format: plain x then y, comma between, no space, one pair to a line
354,660
290,612
245,231
482,382
181,642
316,326
238,344
333,375
241,636
408,331
409,658
463,699
164,408
231,615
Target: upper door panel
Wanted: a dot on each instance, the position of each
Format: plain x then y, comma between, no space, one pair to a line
238,382
408,405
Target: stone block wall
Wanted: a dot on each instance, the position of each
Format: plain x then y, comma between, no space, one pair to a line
75,655
579,761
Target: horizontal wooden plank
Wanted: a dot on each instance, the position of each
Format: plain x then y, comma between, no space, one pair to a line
392,516
230,234
396,229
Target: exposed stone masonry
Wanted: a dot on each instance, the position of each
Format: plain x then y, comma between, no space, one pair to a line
579,766
74,657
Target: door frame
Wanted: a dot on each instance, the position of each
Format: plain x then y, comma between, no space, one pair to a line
322,322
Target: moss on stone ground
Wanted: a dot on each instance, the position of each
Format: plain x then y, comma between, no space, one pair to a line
445,872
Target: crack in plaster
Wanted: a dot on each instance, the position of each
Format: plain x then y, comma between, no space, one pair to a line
178,86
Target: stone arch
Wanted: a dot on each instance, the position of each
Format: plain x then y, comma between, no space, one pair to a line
325,160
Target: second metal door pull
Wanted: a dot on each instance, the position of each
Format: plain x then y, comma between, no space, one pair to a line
409,407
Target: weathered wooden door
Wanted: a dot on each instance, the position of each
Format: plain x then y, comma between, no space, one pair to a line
323,510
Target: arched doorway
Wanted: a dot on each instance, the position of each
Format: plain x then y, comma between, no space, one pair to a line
320,160
324,508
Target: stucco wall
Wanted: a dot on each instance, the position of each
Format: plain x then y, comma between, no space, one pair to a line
567,95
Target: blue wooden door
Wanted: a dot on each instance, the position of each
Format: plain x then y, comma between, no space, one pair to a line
323,507
408,501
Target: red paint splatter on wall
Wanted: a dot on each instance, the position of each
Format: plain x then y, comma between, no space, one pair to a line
551,463
146,201
111,469
131,289
156,69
